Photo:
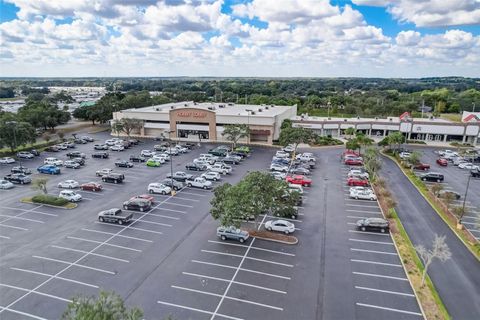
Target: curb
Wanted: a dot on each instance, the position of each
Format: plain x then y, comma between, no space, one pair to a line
275,240
431,205
49,205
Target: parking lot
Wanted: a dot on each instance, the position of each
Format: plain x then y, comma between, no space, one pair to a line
169,261
456,180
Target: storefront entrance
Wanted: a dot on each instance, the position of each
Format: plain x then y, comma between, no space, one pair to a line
192,134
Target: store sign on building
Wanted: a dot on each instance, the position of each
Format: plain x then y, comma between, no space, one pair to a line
191,114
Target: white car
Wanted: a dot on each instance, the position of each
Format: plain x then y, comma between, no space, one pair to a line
181,149
172,151
102,172
25,155
69,184
363,194
53,161
156,187
306,157
70,195
211,175
147,153
468,166
282,154
220,168
278,167
295,187
7,160
358,173
116,147
165,156
448,153
360,189
61,146
4,184
280,225
158,158
289,148
110,142
201,162
405,155
277,175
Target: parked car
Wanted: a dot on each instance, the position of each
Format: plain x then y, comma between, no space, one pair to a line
404,155
102,172
354,161
282,154
123,164
52,149
295,187
373,224
308,157
100,147
172,183
53,161
76,154
363,195
475,173
79,141
243,149
68,184
80,161
198,182
220,168
113,177
230,159
61,146
87,138
70,195
35,152
145,197
278,167
277,175
468,166
21,169
19,178
25,155
300,170
161,188
195,167
91,186
48,169
447,193
422,166
358,173
299,179
117,147
218,152
153,163
442,162
232,233
280,225
115,215
180,176
135,158
72,164
7,160
70,145
357,182
432,176
100,155
4,185
147,153
137,204
289,148
212,176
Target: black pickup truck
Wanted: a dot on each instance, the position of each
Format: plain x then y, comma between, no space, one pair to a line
115,215
113,177
19,178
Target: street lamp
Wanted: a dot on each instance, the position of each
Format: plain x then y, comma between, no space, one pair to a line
171,159
14,129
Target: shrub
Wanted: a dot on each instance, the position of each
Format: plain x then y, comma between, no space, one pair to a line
416,142
383,142
326,141
49,199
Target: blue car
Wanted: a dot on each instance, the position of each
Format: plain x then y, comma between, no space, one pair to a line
49,169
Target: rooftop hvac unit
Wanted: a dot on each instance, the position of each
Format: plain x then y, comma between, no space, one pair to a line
231,104
221,106
266,108
376,118
390,119
172,107
329,118
272,105
253,112
158,109
211,108
185,105
358,118
345,120
260,110
194,102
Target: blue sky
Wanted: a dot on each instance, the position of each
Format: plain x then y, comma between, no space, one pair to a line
244,38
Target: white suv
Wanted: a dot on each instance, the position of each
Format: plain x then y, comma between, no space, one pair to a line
53,161
220,168
70,195
156,187
147,153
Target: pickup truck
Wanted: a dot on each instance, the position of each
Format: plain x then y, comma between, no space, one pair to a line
76,154
199,182
180,176
18,178
20,169
113,177
195,167
115,215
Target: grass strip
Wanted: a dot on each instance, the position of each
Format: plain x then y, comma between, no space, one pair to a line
49,200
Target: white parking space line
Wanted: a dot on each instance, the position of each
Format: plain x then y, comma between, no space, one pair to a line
388,309
363,211
56,277
91,192
106,244
250,258
194,194
153,222
197,310
20,218
4,237
360,205
386,291
74,264
36,292
32,210
22,313
132,228
283,218
89,253
179,204
241,269
171,210
471,223
378,263
228,298
180,198
162,216
359,200
88,199
236,282
366,232
13,227
117,235
379,276
374,251
256,248
370,241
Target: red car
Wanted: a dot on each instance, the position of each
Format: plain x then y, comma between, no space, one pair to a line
91,186
145,197
299,179
357,182
421,166
351,152
442,162
353,162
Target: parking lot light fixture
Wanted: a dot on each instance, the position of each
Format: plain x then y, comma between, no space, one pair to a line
171,161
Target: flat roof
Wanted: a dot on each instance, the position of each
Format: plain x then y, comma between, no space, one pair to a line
357,119
223,109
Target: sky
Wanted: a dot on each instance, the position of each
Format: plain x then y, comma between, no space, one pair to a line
239,38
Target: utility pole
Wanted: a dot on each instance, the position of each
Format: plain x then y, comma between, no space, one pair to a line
466,193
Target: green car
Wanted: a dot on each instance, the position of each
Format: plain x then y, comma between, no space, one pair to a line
243,149
153,163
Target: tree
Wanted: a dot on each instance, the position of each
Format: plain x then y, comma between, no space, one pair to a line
459,212
396,139
287,123
350,132
372,162
436,188
235,132
16,133
363,140
117,127
448,198
108,305
40,184
295,136
440,250
352,144
61,135
130,124
47,137
414,157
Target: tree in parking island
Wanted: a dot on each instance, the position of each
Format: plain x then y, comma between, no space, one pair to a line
395,139
439,250
235,132
40,184
108,305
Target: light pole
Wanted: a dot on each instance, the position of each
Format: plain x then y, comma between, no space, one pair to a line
14,129
171,160
248,123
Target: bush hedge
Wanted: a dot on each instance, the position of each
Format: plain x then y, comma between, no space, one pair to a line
39,146
416,142
326,141
49,199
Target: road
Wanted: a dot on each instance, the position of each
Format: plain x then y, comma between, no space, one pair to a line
458,279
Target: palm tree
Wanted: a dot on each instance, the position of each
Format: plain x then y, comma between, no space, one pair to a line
350,132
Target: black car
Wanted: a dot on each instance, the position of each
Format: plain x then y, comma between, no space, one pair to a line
80,161
124,164
177,185
195,167
101,155
80,141
475,173
19,178
230,160
113,177
70,145
137,204
134,141
21,169
432,176
240,154
76,154
135,158
52,149
35,152
373,224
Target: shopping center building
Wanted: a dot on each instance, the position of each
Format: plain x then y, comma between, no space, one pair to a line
192,121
